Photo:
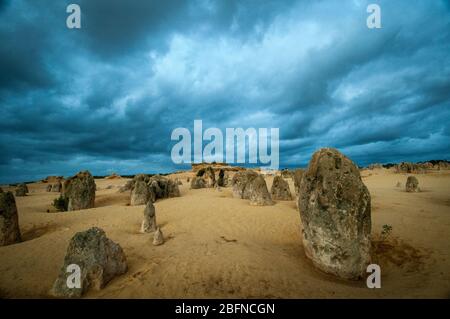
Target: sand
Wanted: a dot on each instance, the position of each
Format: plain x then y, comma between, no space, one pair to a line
221,247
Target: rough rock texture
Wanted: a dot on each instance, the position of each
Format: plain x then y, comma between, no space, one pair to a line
198,182
158,238
210,177
221,179
149,222
335,211
21,190
9,220
285,173
99,258
49,188
298,173
127,187
80,191
57,187
412,184
140,195
240,181
258,193
172,189
280,189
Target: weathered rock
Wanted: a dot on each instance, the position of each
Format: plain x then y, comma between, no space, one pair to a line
335,211
9,220
221,181
258,193
298,173
172,189
412,184
209,177
280,189
80,191
99,258
149,222
285,173
127,187
57,187
198,182
240,181
49,188
140,195
21,190
158,237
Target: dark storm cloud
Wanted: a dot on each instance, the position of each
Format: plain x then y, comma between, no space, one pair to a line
107,97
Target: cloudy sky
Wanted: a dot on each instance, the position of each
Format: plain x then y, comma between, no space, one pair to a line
106,97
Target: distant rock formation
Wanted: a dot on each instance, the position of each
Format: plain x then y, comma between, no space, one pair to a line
9,219
80,191
335,211
21,190
280,189
56,187
99,260
412,184
113,176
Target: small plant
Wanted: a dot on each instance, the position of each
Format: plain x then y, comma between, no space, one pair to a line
61,203
386,232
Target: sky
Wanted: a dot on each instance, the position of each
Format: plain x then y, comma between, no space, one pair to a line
106,97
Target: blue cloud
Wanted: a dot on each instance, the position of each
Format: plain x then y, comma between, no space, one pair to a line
107,97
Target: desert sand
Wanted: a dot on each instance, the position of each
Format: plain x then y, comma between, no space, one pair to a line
218,246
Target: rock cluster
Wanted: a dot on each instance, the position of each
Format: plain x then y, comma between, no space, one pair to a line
335,210
145,187
99,260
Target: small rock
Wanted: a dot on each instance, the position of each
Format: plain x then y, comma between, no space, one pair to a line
158,238
149,222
